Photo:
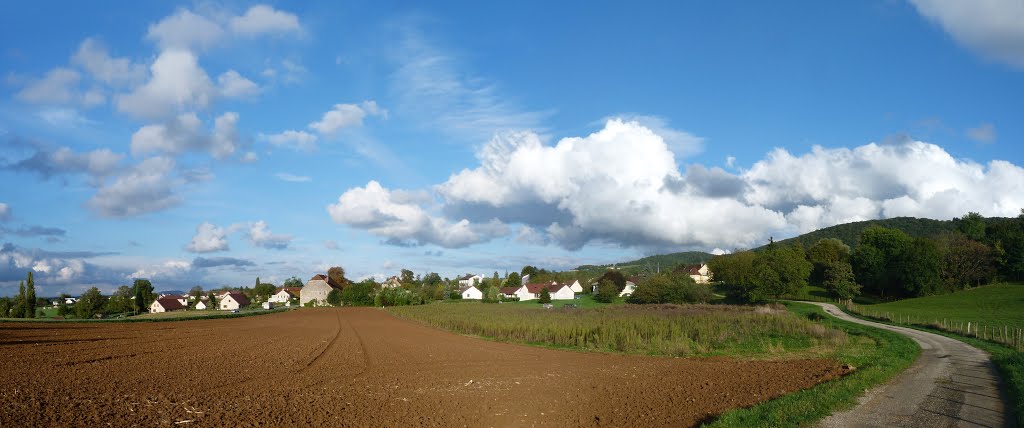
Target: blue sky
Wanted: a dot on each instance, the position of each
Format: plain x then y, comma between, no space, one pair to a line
209,143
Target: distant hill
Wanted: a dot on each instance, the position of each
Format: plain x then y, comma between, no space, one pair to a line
849,233
664,261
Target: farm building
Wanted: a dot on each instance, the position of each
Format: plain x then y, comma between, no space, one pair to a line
284,294
316,290
470,279
471,293
233,300
519,292
166,304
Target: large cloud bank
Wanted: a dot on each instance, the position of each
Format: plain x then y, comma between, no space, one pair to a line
622,185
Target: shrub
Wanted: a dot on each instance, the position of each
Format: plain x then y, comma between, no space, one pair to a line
606,291
669,288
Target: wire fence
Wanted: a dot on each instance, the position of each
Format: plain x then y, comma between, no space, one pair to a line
1010,336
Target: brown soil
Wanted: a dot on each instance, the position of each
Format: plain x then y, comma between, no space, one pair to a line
355,367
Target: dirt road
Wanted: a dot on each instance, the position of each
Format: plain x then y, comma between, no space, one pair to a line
355,367
951,384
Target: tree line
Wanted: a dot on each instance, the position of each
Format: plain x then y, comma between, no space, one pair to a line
886,262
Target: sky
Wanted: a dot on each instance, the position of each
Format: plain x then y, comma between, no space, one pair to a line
210,143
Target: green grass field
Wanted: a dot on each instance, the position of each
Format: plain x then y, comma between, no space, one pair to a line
998,308
584,301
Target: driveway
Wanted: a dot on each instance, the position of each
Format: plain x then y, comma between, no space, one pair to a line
951,384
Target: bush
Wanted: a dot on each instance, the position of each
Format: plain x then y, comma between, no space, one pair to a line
545,296
358,294
606,291
669,288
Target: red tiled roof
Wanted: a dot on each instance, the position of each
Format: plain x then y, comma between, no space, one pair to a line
693,269
510,290
173,296
535,288
319,276
170,304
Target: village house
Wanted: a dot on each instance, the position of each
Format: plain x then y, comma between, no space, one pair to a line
285,294
471,293
519,292
166,304
392,282
470,279
630,286
699,273
575,286
556,290
316,290
178,297
233,301
201,305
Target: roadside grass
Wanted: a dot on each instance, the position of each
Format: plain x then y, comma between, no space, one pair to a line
676,330
877,355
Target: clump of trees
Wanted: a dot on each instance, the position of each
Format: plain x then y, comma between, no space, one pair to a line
24,304
668,287
886,262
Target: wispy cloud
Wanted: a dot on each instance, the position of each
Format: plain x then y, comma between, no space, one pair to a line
292,178
433,86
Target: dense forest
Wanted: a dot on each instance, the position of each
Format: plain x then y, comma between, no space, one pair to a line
929,257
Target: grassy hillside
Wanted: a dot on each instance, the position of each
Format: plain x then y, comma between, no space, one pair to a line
849,233
995,305
665,261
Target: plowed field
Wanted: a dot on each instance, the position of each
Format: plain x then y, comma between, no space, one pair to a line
355,367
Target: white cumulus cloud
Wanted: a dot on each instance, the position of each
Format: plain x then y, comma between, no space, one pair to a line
186,133
208,238
995,28
177,84
343,116
263,19
297,140
94,58
261,236
147,187
234,85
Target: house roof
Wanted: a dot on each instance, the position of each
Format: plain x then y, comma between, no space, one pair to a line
510,290
536,288
694,269
170,304
292,291
319,277
330,281
172,296
463,289
467,276
240,298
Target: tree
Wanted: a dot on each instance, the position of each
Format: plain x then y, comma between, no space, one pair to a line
606,291
407,277
965,262
876,259
144,295
616,277
334,297
669,287
195,292
30,297
211,301
90,304
735,270
337,275
5,307
62,306
529,270
432,279
919,269
514,280
824,254
293,282
972,225
121,301
263,291
545,296
19,304
780,270
358,294
839,281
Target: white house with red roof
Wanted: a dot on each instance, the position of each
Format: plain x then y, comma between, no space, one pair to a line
519,292
233,300
699,273
285,294
556,290
166,304
471,293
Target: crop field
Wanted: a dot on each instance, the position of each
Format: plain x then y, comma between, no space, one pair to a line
357,367
687,330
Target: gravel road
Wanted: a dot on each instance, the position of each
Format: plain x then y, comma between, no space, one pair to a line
951,384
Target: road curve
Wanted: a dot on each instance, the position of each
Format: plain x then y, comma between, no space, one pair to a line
951,384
